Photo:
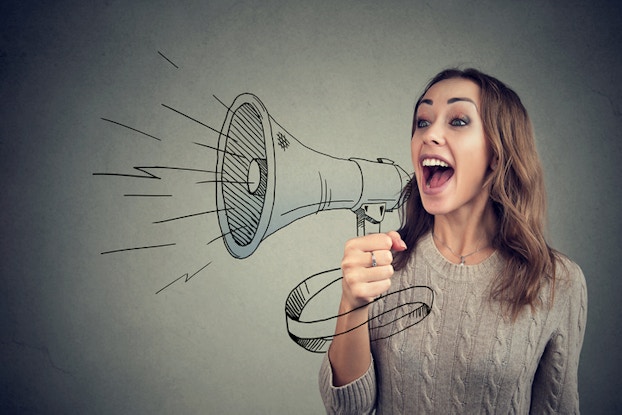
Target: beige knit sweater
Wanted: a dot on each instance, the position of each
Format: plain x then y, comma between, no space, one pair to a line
463,356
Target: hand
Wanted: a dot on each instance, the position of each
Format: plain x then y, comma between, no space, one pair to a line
362,282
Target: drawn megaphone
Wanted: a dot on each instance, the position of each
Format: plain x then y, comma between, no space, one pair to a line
267,179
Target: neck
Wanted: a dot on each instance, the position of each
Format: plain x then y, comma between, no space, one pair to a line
467,239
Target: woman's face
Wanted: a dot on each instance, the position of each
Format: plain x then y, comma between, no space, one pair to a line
450,153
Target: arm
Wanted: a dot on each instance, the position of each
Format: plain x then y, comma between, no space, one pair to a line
347,377
555,385
349,352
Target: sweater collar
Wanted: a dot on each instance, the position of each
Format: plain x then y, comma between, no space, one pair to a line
488,268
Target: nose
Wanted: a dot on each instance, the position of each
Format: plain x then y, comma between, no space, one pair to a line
433,135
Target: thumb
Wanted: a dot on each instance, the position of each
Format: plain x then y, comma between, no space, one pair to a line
397,243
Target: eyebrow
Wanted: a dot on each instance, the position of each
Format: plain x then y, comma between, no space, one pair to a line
450,101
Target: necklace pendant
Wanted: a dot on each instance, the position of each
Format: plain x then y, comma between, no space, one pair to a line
461,261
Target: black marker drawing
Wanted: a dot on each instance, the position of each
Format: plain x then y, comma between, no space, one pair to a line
266,179
255,201
168,60
315,335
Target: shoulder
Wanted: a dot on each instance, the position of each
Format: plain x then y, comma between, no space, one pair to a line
569,277
570,288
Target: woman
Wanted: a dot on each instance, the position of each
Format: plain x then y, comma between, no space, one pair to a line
502,327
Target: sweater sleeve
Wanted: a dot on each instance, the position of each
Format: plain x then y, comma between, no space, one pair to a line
357,397
555,385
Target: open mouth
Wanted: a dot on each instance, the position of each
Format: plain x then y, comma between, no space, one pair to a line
436,172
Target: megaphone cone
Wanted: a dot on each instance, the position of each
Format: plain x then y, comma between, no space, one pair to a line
267,179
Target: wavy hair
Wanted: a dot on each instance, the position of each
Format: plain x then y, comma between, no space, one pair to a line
516,191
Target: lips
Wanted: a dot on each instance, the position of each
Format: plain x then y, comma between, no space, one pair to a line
436,172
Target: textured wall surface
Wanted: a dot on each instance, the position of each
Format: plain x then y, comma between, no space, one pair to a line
90,326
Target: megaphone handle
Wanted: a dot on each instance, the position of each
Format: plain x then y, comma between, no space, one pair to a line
362,223
368,214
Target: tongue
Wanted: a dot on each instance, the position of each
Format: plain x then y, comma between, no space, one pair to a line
440,177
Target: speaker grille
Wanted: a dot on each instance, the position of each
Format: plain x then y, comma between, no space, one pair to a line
245,144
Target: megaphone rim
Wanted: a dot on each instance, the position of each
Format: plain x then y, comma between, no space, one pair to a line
234,248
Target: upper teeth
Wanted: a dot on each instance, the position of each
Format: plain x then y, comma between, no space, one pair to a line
434,162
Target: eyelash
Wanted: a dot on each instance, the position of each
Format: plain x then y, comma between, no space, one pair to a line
462,122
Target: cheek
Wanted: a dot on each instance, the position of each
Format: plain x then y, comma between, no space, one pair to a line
415,149
478,159
414,157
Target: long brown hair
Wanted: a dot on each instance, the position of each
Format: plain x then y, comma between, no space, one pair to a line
516,191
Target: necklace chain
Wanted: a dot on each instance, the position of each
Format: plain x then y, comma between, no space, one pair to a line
461,257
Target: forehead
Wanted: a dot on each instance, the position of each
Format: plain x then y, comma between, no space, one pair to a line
443,91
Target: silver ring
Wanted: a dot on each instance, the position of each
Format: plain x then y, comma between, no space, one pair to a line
373,259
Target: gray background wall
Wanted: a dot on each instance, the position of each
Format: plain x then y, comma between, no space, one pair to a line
84,332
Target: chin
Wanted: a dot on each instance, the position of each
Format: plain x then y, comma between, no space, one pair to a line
435,207
434,211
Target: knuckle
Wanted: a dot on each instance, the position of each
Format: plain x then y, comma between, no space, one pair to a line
389,257
388,272
387,242
346,263
349,243
351,279
357,292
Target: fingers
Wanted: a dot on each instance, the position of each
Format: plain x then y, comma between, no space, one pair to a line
358,251
397,244
378,241
379,258
366,266
360,293
365,256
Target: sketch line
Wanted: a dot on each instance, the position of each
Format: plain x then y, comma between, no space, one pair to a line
215,239
149,175
169,61
137,248
319,204
185,216
314,335
131,128
225,181
145,195
217,149
228,233
190,118
183,276
221,103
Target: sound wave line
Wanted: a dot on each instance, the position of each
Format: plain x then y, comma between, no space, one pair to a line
144,195
227,233
185,216
225,181
131,128
149,175
222,151
183,276
191,118
222,103
137,248
169,61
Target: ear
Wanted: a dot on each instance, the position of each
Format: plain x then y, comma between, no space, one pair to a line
494,163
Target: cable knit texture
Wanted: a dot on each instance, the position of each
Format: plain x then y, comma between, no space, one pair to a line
465,357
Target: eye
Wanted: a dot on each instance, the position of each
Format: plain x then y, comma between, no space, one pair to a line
459,121
422,123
